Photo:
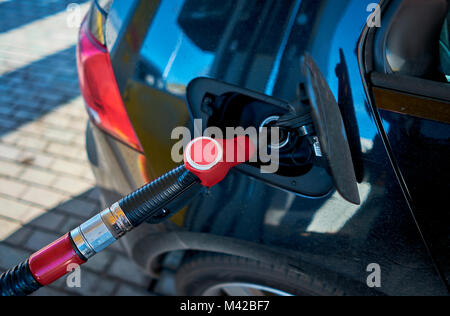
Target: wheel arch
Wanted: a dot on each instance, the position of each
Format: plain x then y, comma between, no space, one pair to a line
147,250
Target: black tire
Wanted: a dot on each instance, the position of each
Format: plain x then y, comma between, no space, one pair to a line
205,270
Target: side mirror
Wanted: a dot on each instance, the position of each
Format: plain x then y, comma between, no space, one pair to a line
331,131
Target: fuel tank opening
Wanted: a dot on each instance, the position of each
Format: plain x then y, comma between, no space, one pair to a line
293,143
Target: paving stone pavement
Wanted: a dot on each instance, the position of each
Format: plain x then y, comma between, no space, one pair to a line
46,185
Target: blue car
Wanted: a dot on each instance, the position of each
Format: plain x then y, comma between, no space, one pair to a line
359,92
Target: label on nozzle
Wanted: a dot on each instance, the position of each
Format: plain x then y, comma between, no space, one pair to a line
203,153
211,159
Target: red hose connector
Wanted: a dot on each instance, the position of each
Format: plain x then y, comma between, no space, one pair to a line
50,263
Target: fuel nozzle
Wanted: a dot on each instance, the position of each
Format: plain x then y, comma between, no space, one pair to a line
206,162
211,159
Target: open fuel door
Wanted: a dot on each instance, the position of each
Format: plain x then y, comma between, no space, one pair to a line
331,131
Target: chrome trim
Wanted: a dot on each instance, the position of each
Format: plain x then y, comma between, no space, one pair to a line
271,119
116,220
82,245
97,234
306,130
316,146
100,231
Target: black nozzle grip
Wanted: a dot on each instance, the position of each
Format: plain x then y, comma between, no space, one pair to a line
147,201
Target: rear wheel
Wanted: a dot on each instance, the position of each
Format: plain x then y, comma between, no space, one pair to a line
224,275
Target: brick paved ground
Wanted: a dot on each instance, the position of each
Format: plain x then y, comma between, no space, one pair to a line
46,186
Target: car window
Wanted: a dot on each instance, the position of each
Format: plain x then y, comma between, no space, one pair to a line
444,45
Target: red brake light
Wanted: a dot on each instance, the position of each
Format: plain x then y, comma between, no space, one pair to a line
100,91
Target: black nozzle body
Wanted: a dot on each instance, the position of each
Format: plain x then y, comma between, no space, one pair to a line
147,201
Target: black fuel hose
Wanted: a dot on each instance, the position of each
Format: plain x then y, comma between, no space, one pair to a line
103,229
18,281
139,206
147,201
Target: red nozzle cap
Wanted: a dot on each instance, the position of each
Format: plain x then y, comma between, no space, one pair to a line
211,159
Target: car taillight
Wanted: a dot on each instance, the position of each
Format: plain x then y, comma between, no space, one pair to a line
99,88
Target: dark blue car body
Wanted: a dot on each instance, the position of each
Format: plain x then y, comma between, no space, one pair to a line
401,159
